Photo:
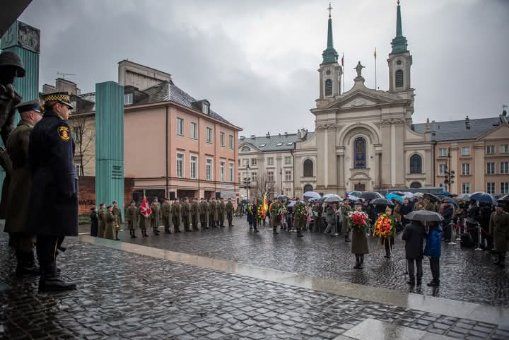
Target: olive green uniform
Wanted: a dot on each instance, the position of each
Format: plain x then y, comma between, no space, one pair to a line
166,214
175,216
229,213
155,218
212,214
185,211
220,213
194,215
203,209
132,214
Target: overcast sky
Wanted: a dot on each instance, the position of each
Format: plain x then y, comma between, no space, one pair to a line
256,61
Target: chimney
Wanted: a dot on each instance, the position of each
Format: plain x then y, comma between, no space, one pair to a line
242,137
268,135
65,85
467,123
286,134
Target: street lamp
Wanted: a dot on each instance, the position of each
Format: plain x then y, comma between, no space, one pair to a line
247,181
449,174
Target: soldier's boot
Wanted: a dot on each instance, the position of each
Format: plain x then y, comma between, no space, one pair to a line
274,230
155,231
51,282
357,262
144,232
26,264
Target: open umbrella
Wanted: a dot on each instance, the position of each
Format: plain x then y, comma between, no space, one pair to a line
311,194
331,198
291,204
431,197
483,197
314,199
381,201
463,197
282,197
352,198
370,195
409,195
392,196
424,216
418,194
354,193
451,201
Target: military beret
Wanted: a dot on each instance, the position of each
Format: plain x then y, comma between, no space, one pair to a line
32,105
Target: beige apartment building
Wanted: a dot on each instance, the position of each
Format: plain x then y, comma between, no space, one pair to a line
174,145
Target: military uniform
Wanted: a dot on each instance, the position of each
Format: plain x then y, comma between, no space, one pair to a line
275,215
118,220
229,212
185,211
175,216
166,214
144,222
212,213
220,213
203,208
499,230
53,212
132,214
155,218
216,213
111,220
19,194
102,221
194,215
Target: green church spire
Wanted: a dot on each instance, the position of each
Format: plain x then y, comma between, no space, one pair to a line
329,54
399,43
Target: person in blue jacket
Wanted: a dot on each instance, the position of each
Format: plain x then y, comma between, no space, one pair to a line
433,250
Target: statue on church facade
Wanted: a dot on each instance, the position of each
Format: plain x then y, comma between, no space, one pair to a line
359,68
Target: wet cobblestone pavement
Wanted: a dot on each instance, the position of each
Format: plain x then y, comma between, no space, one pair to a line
124,295
466,275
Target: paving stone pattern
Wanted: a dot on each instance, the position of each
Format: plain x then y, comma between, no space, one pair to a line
466,275
124,295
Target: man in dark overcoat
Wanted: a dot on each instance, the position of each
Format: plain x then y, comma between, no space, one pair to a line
414,235
53,208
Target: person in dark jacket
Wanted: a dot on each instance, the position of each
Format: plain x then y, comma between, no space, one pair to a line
433,251
414,235
447,212
405,209
94,222
53,212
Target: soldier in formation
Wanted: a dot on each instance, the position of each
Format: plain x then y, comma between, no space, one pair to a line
166,214
175,215
203,209
132,215
220,213
212,213
118,218
229,212
185,211
155,217
194,214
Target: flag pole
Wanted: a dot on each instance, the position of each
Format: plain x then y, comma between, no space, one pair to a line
375,69
343,65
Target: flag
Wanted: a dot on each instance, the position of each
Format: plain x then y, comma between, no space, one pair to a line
343,60
374,54
145,207
265,205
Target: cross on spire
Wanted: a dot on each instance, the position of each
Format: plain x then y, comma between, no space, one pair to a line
330,9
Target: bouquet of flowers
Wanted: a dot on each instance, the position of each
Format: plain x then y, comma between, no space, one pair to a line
358,219
261,212
384,226
300,211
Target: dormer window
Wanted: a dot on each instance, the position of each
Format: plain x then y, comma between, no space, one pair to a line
128,99
205,107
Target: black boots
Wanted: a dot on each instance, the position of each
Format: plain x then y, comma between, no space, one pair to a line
26,264
51,282
133,233
359,259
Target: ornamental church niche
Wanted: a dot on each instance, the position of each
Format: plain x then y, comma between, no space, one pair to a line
359,153
399,78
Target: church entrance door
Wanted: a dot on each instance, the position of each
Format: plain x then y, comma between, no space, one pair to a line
359,187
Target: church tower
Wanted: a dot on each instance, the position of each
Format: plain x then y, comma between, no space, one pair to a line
330,71
400,60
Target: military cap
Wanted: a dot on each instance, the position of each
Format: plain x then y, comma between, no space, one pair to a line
8,58
32,105
61,97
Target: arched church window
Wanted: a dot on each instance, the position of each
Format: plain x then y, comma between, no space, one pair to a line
308,168
328,87
308,187
415,185
359,153
416,164
399,78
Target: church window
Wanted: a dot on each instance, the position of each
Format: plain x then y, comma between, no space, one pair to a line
328,87
308,168
308,187
415,185
399,78
359,150
416,164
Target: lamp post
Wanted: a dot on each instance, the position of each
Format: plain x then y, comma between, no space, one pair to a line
449,174
247,182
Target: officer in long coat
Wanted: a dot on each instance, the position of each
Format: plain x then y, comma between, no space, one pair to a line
220,213
217,212
111,220
194,214
19,188
53,212
175,216
229,212
166,214
144,221
212,213
499,230
185,211
118,219
102,220
203,208
131,216
155,218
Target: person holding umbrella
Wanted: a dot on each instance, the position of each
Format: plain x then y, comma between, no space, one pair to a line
414,235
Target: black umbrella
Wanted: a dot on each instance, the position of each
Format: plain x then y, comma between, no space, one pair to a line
450,200
482,197
282,197
370,195
424,216
381,201
432,197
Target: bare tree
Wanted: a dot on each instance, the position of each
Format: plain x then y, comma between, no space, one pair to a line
83,137
263,185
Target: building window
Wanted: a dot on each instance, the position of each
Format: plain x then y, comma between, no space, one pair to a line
205,108
209,135
465,169
194,130
504,148
288,160
221,171
308,187
504,167
490,168
270,176
288,175
253,176
180,165
194,161
128,99
465,151
442,168
415,185
504,188
246,162
443,152
270,161
180,126
231,142
490,149
221,138
208,169
465,188
328,87
231,172
416,164
399,78
359,153
308,168
490,187
254,161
